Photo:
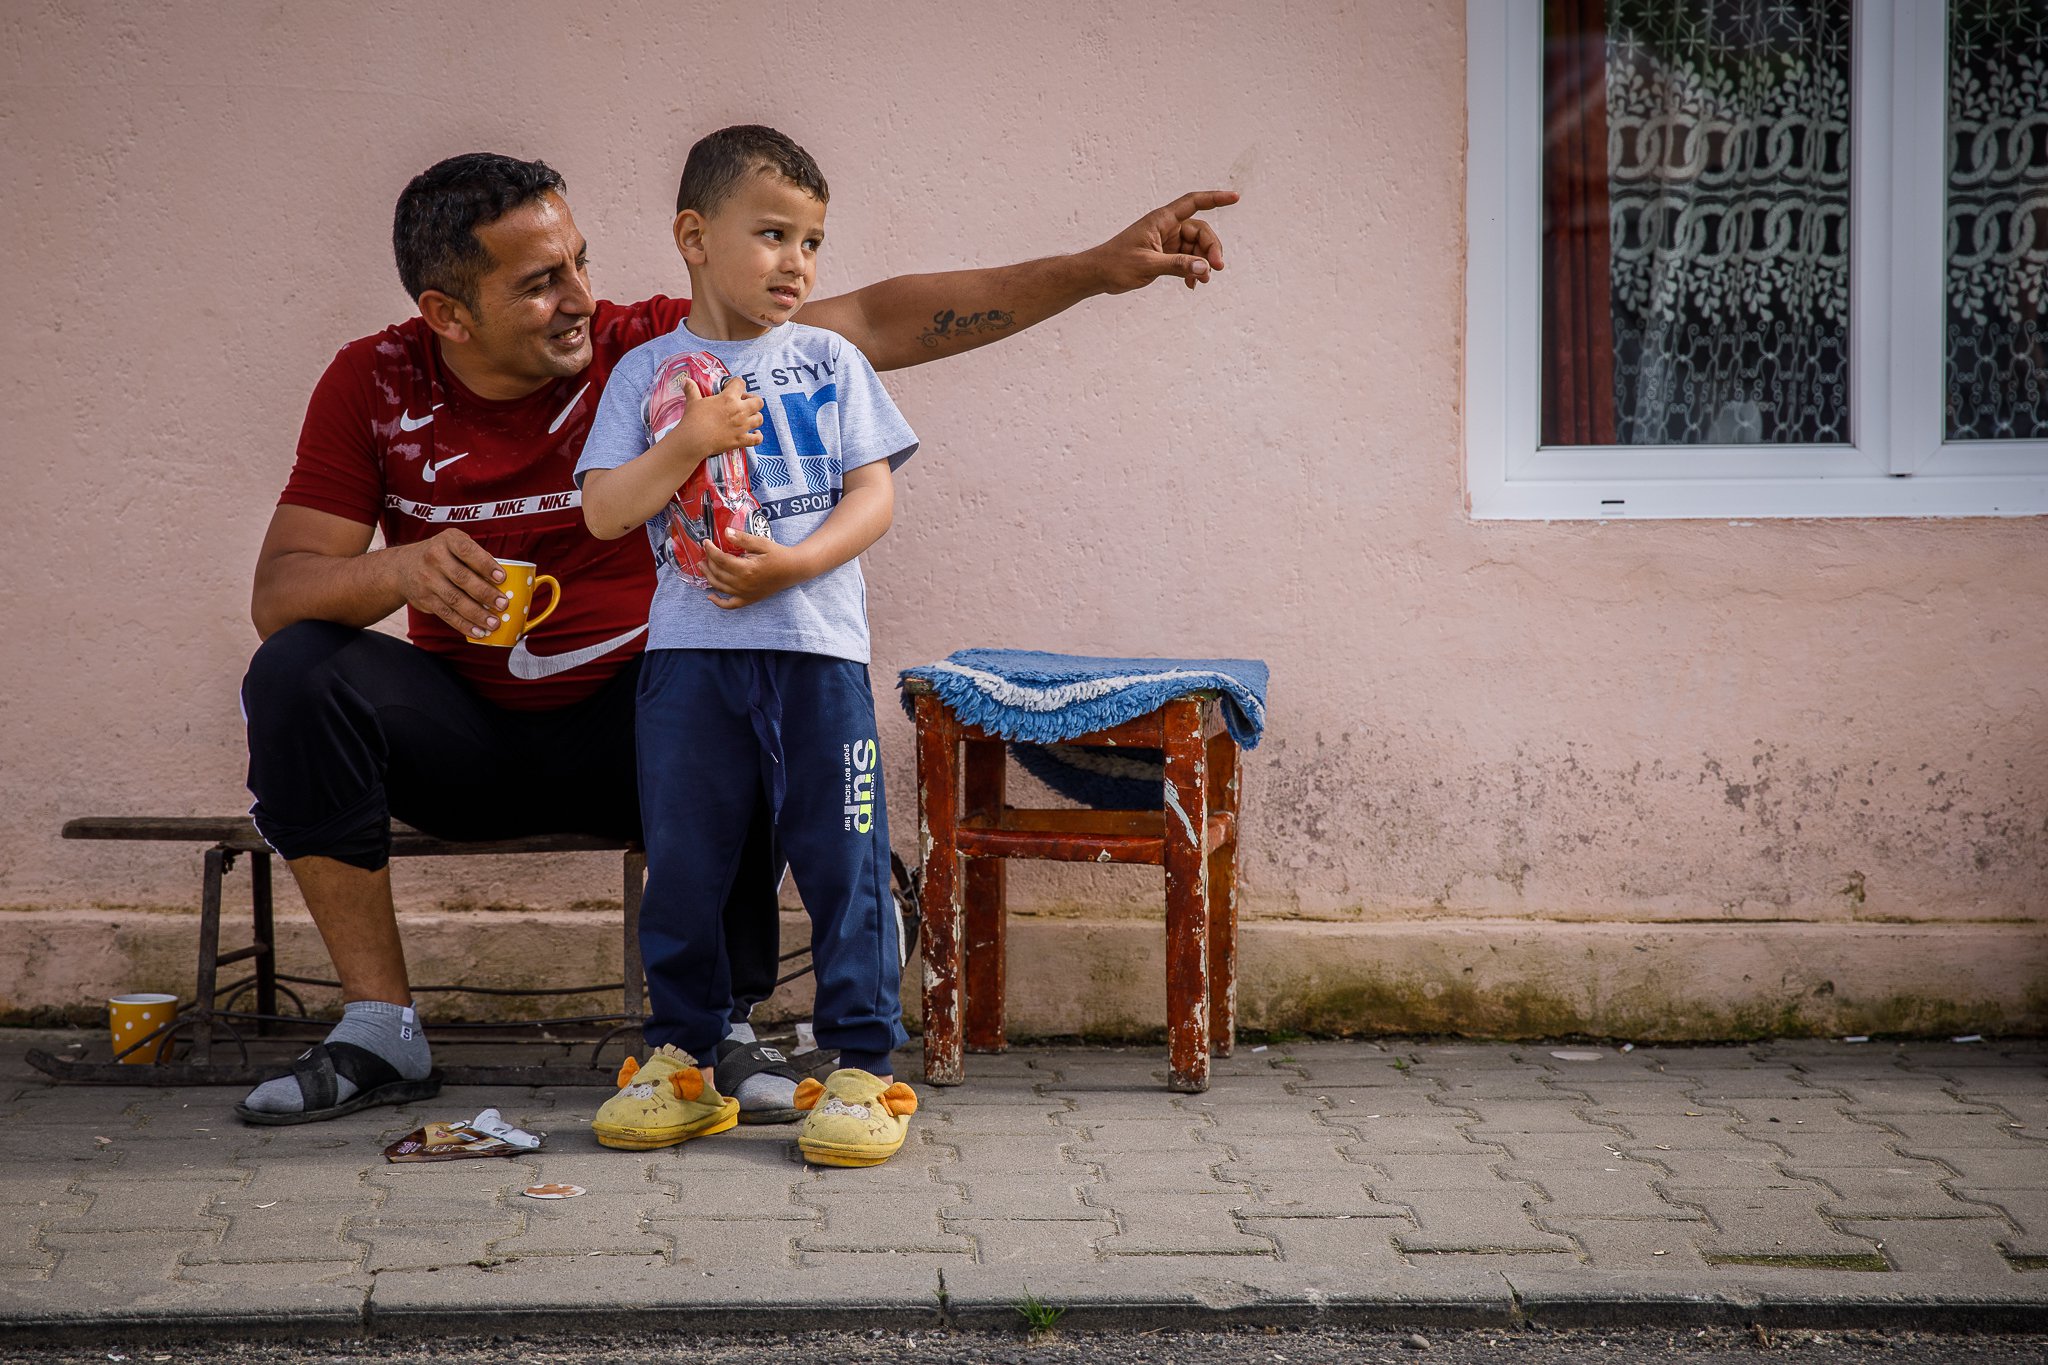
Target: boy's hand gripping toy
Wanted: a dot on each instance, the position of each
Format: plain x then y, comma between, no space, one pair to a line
718,497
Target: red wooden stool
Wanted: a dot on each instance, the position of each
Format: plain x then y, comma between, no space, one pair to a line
1194,838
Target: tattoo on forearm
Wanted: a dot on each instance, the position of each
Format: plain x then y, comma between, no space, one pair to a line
947,324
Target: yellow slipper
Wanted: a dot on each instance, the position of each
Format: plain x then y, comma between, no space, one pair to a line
662,1103
854,1120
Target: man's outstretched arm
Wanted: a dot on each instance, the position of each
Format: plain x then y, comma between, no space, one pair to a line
915,318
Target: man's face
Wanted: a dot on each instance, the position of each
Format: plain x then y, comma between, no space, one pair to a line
760,253
531,323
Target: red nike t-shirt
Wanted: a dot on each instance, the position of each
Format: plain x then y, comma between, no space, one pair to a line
393,439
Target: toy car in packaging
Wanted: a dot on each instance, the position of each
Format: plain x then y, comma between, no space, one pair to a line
718,497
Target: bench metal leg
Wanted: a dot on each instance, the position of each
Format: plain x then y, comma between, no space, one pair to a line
209,953
635,978
265,943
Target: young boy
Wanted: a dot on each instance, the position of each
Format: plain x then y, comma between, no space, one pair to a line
758,684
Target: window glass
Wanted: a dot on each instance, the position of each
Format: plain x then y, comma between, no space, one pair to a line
1696,222
1996,237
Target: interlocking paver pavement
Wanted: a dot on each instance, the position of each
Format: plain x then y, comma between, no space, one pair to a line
2012,1168
1905,1189
860,1218
1035,1178
1781,1220
1464,1176
1620,1189
283,1233
1934,1246
403,1243
2028,1212
603,1222
1499,1215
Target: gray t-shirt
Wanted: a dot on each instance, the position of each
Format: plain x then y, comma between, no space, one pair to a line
825,412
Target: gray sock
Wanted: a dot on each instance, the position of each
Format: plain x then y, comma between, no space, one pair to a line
760,1090
393,1032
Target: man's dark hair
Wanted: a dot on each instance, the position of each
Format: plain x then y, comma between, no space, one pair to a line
433,234
721,160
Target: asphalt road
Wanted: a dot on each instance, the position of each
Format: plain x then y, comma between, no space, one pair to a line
1244,1346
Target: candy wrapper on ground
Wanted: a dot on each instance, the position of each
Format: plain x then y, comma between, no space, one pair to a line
485,1135
718,497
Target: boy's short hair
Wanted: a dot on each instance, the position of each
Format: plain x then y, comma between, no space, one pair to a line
433,233
721,160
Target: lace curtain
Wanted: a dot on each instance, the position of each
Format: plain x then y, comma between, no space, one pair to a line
1997,221
1725,169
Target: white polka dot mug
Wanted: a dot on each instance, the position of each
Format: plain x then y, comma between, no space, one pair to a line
131,1018
522,580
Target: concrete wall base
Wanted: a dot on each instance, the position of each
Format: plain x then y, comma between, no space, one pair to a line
1104,979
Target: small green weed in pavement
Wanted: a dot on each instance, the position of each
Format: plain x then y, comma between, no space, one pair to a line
1038,1317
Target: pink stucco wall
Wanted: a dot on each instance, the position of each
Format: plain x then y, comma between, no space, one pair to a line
1833,722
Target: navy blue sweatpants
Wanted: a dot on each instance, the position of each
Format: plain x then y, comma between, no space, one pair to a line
717,730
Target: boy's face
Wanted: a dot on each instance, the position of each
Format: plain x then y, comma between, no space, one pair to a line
754,260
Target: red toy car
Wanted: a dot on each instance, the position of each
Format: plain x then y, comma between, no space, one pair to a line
718,497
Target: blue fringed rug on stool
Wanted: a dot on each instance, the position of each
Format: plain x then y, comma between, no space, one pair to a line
1035,700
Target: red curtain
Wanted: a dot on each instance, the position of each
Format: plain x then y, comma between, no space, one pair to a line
1578,329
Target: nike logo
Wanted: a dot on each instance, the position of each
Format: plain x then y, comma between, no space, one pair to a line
431,468
524,663
563,415
408,422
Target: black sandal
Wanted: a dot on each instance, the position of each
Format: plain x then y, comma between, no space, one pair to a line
737,1061
317,1071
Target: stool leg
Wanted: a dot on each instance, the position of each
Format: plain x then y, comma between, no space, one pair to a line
1223,901
1187,897
938,813
264,923
209,953
634,978
987,954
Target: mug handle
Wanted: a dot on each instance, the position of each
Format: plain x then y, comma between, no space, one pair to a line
554,600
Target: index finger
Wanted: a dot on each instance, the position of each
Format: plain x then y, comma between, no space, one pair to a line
476,557
1196,201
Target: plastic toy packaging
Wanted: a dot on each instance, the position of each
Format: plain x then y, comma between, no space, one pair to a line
718,497
485,1135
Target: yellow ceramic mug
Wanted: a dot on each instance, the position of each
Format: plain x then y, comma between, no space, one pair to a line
131,1018
519,585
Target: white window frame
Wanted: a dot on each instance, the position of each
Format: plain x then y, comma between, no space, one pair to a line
1897,465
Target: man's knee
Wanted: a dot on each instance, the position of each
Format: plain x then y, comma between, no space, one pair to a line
292,669
316,767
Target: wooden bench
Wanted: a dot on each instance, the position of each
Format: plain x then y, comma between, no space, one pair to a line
195,1025
967,827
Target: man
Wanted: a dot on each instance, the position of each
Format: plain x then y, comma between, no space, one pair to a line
456,432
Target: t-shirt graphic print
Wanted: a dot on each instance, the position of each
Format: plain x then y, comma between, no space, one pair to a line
824,412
